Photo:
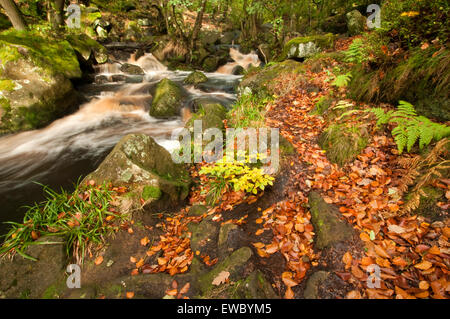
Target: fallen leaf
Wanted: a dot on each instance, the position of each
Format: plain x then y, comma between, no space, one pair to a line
130,294
221,278
98,260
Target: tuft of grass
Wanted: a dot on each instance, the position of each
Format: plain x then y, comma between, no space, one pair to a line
83,218
248,111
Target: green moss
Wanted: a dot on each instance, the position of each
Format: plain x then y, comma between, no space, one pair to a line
196,78
85,46
151,192
167,99
7,85
322,42
55,57
343,143
328,227
322,105
233,264
428,75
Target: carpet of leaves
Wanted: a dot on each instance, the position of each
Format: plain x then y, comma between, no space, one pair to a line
413,255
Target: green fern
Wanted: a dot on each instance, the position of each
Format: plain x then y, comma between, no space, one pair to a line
342,80
410,127
355,52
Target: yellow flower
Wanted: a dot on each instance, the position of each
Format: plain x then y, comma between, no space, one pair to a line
410,14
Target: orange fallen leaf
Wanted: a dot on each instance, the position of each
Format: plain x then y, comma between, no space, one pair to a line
145,241
98,260
424,265
289,293
130,294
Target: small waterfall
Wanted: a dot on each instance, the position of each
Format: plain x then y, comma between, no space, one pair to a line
243,60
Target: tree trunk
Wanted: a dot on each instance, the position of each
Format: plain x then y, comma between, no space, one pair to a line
56,12
197,26
14,14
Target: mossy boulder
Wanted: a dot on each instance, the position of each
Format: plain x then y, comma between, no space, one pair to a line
235,264
330,229
167,100
355,22
138,162
211,114
131,69
343,143
304,47
195,78
259,80
197,210
204,236
35,80
88,47
254,286
24,278
210,63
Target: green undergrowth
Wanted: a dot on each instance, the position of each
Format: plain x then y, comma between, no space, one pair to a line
80,217
343,142
422,79
249,111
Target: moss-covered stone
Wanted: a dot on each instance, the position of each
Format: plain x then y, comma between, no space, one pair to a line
329,228
167,100
131,69
343,143
22,277
87,46
211,114
137,161
259,80
202,234
197,210
313,283
303,47
355,22
151,192
210,64
195,78
234,264
255,286
35,73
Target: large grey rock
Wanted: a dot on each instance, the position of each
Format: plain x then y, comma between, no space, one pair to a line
138,161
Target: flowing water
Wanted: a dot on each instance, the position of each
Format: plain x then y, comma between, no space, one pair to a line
75,145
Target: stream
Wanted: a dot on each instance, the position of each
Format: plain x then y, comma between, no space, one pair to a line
68,149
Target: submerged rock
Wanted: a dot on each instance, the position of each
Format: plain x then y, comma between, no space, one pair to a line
131,69
195,78
167,100
138,161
